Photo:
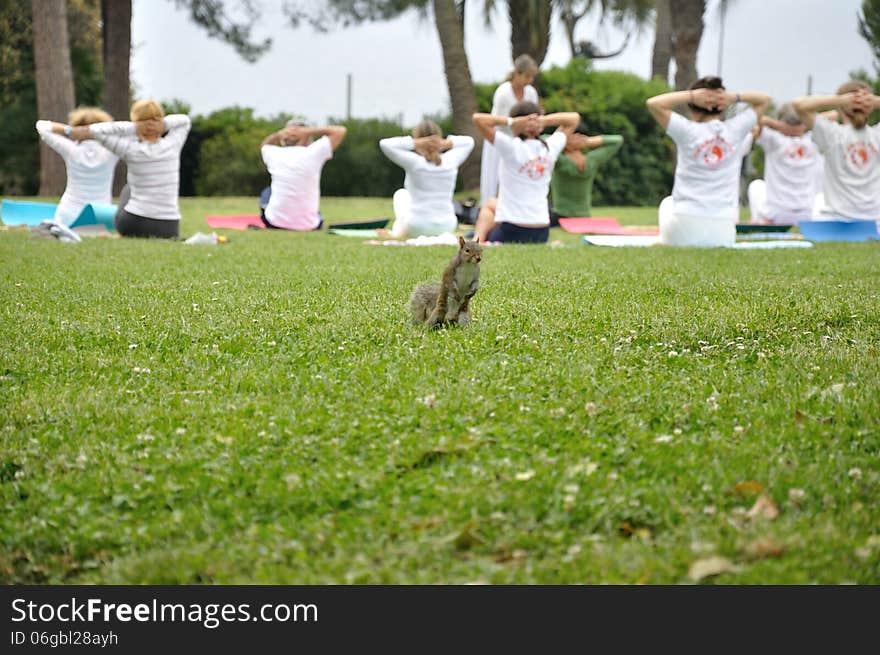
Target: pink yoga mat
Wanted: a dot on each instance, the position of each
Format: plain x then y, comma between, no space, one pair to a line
600,225
235,222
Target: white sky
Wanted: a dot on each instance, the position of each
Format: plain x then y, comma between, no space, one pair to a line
397,67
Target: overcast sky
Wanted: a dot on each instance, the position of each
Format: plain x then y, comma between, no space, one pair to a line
397,67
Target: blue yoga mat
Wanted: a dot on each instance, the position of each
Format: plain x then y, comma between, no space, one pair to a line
855,230
22,212
94,214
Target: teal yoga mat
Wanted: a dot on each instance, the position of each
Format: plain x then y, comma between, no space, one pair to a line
94,214
23,212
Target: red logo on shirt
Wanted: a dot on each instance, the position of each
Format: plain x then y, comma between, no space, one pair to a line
860,153
798,151
713,151
535,167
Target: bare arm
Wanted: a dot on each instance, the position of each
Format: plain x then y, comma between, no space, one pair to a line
336,133
779,126
487,123
759,101
662,106
808,106
567,121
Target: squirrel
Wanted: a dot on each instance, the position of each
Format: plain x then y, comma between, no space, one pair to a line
461,279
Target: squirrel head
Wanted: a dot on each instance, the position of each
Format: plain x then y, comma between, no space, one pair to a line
470,251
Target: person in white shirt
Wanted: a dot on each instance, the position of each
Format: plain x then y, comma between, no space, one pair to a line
791,160
295,159
423,207
704,206
851,149
150,146
518,87
520,214
89,165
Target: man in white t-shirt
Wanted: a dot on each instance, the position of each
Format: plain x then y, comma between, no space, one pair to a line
791,161
520,213
295,162
851,150
704,207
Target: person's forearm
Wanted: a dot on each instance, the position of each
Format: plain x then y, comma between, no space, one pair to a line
112,128
323,131
773,124
568,119
273,139
813,104
489,120
487,123
807,106
176,121
671,100
759,101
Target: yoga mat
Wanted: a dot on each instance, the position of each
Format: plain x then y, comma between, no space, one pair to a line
22,212
360,234
235,222
617,240
746,228
855,230
362,225
95,214
771,245
600,225
644,241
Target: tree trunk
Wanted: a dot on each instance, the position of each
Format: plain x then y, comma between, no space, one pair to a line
54,77
116,18
663,42
530,27
687,22
461,87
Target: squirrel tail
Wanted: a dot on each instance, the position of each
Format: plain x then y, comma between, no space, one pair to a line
423,300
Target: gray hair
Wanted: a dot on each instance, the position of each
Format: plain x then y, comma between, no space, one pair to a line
295,122
788,115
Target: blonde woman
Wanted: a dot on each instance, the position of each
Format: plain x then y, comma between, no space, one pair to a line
89,164
517,88
150,145
423,207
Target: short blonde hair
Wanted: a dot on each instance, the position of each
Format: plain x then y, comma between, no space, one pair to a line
144,110
88,115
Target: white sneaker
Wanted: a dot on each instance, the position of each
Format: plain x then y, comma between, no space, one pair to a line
64,233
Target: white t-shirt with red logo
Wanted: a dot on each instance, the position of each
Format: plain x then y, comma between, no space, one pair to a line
852,168
296,183
790,165
524,178
708,164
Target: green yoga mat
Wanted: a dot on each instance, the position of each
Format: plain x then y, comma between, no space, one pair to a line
362,225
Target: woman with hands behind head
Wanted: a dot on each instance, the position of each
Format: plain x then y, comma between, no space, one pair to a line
150,145
295,156
520,213
423,207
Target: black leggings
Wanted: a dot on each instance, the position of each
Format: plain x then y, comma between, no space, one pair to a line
510,233
132,225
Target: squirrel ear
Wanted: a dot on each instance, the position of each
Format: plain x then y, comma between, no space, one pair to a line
461,241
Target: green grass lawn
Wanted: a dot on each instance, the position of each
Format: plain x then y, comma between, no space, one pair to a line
263,412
